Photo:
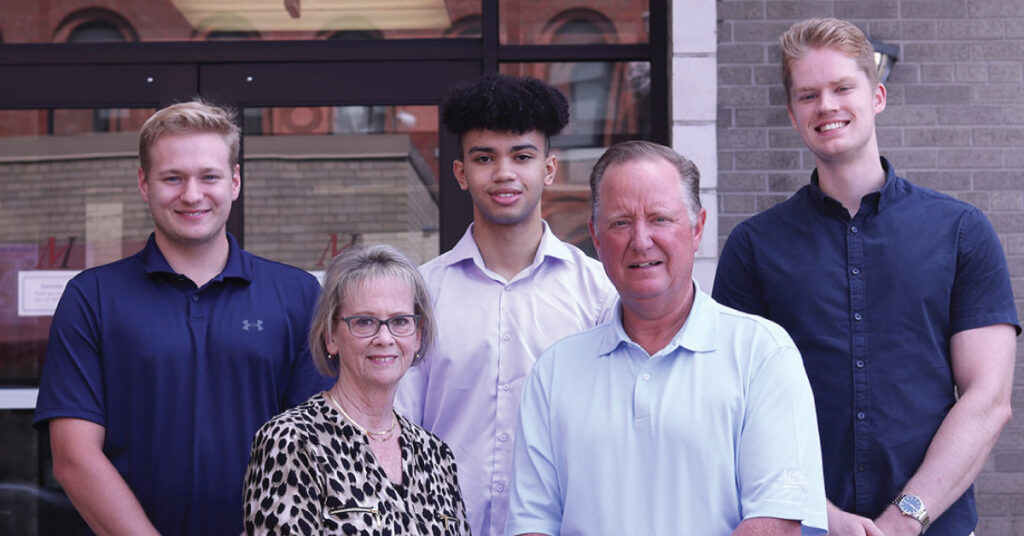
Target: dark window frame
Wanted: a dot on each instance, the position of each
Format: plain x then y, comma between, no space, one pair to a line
155,74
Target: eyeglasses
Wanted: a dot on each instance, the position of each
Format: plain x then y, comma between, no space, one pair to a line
364,327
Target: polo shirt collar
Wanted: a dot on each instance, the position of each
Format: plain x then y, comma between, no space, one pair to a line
892,191
238,266
697,335
550,246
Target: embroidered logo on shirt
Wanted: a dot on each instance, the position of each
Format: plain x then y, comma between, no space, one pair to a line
257,325
793,479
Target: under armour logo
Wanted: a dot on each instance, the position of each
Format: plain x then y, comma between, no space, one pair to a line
257,324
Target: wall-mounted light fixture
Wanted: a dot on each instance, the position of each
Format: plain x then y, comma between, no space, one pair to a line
886,56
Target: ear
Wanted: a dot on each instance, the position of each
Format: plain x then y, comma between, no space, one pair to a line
332,347
459,169
236,182
593,236
879,98
792,118
698,228
550,167
143,185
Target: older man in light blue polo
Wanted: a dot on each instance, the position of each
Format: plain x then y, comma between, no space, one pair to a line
680,416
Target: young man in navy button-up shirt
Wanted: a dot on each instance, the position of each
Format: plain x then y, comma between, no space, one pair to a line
161,366
898,298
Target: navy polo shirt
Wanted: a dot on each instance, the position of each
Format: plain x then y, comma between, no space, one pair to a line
181,377
871,302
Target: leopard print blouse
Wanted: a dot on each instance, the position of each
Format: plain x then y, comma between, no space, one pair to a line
312,472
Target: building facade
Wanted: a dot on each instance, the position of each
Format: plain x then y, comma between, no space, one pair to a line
342,142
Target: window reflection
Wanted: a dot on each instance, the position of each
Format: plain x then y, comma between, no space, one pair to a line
532,22
608,104
318,179
522,22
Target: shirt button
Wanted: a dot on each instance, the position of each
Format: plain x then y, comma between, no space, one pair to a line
860,467
508,288
503,437
195,297
505,387
507,336
860,415
499,487
855,270
854,229
860,363
856,316
646,377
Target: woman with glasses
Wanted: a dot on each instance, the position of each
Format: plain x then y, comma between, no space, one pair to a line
344,462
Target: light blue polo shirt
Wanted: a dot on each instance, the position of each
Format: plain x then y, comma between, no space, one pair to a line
716,427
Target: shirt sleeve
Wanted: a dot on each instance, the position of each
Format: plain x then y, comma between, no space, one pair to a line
779,460
280,496
305,379
72,379
982,294
536,503
737,284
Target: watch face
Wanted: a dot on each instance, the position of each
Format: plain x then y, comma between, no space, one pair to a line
910,504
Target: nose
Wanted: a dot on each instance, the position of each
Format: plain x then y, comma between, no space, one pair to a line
383,336
641,239
192,191
503,171
827,102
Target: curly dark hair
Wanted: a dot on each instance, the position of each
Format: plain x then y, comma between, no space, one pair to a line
505,103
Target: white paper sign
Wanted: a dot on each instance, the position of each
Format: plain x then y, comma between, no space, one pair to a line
40,290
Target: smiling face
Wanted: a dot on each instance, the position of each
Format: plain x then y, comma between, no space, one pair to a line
380,361
644,237
505,174
832,104
189,187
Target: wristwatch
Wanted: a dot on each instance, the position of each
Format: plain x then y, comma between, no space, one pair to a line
913,506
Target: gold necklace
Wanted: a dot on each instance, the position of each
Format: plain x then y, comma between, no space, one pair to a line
384,435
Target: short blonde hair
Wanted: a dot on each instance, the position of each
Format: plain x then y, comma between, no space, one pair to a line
839,35
193,117
351,267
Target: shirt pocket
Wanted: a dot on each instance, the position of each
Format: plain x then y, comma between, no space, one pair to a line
451,524
357,519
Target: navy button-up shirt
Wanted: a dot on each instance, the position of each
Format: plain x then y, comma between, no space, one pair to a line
871,302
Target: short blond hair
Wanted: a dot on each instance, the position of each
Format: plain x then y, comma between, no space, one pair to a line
352,267
193,117
835,34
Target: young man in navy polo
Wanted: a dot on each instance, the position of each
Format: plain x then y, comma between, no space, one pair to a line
897,296
161,366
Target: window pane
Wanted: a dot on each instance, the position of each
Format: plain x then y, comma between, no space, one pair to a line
535,22
68,200
318,179
48,21
31,502
609,102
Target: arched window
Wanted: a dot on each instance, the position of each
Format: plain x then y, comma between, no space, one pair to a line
586,84
94,25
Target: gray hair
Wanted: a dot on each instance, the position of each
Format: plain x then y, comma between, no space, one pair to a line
352,267
629,151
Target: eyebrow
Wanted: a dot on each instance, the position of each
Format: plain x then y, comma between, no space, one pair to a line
515,148
843,80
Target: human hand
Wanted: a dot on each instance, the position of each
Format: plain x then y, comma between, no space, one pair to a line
893,523
841,523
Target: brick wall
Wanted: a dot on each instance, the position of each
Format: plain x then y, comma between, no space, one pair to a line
954,122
